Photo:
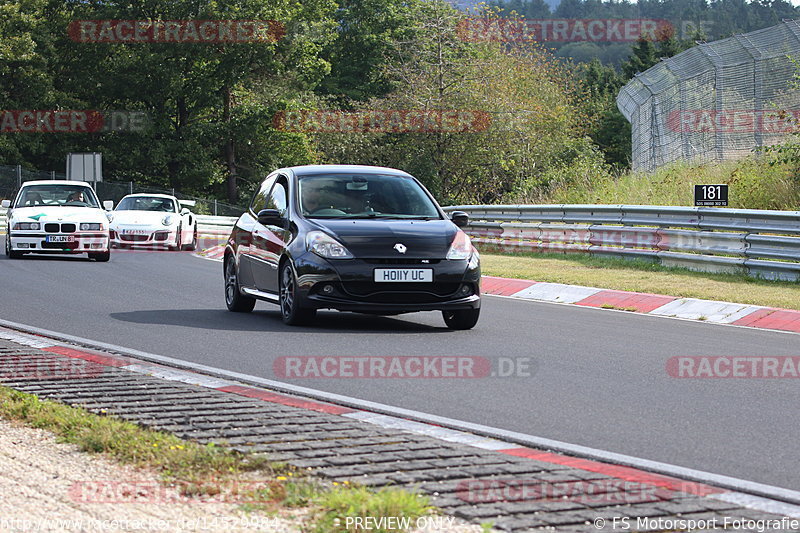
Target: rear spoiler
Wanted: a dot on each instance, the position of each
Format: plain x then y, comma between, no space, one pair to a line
188,203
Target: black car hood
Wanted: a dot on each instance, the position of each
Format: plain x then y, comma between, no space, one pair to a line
376,239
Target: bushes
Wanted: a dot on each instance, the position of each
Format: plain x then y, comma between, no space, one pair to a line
756,182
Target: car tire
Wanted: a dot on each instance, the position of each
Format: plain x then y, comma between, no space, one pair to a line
291,312
192,245
9,252
461,318
177,246
101,257
234,299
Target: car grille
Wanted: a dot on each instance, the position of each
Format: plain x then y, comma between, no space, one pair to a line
400,292
59,228
135,238
59,245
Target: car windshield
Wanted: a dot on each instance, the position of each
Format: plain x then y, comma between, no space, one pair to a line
146,203
364,196
57,195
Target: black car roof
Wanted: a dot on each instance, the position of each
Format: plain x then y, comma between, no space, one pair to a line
306,170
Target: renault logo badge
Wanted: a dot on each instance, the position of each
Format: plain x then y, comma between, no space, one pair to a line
400,248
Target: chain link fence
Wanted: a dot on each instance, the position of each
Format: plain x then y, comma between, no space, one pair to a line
715,101
12,176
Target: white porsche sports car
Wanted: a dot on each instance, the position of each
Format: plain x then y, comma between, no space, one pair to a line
61,217
154,220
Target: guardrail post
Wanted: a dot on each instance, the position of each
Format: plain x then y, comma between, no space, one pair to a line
215,207
52,174
131,184
19,176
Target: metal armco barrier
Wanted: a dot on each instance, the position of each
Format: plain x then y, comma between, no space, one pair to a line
211,225
758,243
206,224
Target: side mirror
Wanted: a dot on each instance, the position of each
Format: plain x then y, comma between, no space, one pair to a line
460,218
108,205
185,211
5,204
270,217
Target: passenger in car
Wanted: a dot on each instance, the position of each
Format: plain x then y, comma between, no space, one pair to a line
76,196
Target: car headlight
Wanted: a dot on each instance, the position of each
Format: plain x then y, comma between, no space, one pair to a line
326,246
474,260
27,226
93,226
461,247
167,220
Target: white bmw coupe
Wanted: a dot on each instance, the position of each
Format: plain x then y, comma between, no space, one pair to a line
154,220
57,217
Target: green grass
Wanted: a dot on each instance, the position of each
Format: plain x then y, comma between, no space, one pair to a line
127,443
641,276
754,184
204,469
343,502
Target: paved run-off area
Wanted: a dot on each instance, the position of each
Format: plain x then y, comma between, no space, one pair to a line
474,478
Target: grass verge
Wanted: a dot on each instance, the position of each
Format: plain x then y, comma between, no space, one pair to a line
185,461
756,182
641,276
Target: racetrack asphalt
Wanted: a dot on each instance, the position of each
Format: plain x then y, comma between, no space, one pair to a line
599,376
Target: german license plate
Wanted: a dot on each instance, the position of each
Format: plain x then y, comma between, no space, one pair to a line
403,275
60,238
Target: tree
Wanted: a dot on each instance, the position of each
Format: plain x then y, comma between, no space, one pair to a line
536,131
363,37
608,128
192,92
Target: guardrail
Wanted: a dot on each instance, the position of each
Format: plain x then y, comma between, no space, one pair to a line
213,225
206,224
758,243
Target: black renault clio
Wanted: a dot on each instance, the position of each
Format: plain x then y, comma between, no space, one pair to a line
352,238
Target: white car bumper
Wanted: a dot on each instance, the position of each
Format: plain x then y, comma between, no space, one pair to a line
144,236
39,242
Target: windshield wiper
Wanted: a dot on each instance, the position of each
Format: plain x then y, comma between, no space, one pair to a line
398,217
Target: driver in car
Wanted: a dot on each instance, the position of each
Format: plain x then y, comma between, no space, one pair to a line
314,194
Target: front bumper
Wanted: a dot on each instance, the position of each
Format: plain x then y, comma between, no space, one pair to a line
37,242
348,285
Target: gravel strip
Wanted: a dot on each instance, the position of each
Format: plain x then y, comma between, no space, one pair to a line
39,478
46,485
